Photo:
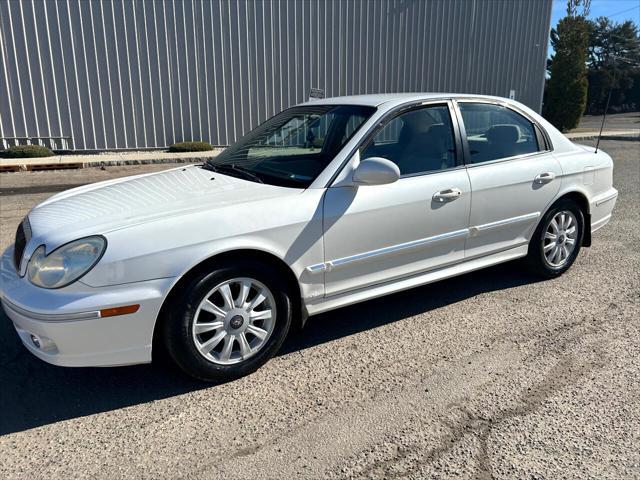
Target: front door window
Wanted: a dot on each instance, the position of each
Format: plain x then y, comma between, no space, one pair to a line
418,141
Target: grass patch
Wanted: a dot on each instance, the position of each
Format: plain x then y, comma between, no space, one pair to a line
191,147
26,151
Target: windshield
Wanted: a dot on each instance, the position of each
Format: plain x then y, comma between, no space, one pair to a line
292,148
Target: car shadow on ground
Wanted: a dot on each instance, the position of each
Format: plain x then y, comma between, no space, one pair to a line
34,393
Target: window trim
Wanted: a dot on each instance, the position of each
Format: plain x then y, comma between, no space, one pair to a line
401,110
547,147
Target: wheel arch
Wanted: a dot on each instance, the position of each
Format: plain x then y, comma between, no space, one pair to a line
208,264
581,199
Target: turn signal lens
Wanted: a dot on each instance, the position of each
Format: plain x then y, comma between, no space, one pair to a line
112,312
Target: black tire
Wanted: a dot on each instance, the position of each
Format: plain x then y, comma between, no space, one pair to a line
536,259
176,331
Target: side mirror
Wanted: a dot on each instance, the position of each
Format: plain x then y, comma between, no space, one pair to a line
376,171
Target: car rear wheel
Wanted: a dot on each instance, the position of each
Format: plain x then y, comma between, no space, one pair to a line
229,322
556,242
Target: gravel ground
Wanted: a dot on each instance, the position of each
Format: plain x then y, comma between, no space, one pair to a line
488,375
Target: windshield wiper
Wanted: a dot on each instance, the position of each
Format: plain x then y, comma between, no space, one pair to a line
233,171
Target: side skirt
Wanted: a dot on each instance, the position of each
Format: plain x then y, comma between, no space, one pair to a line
321,305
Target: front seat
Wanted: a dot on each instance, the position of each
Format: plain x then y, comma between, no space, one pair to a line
442,137
503,140
427,151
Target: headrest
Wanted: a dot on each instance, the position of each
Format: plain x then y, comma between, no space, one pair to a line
503,134
416,121
440,130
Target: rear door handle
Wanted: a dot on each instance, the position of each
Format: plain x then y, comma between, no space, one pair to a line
447,195
545,177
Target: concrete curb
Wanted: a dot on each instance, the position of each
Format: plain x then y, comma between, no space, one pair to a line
60,162
610,135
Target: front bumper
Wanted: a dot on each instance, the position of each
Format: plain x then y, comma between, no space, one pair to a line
64,326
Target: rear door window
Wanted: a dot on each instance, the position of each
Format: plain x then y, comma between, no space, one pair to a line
495,132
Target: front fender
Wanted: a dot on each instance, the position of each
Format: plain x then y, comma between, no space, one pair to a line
289,230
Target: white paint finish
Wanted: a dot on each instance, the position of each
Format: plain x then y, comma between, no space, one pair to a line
375,171
601,207
106,341
600,182
597,225
505,195
182,241
370,218
189,217
605,197
589,176
344,244
375,255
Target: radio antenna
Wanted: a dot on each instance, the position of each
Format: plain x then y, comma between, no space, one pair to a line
606,108
604,117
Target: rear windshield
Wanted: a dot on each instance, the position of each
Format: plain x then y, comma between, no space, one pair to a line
294,147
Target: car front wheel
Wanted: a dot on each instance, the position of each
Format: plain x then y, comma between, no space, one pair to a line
229,322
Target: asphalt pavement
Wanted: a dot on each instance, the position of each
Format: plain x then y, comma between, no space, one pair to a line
493,374
614,121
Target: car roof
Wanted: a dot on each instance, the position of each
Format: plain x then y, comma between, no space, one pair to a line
378,99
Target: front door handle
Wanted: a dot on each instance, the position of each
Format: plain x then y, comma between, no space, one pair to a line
545,177
447,195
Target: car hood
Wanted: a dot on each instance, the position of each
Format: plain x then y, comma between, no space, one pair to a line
115,204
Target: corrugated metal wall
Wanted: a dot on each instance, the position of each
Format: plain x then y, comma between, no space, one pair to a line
135,74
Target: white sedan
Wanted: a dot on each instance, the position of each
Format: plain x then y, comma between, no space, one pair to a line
328,203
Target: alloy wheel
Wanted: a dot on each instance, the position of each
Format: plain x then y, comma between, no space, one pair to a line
234,321
560,238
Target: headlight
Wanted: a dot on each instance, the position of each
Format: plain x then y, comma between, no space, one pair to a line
66,264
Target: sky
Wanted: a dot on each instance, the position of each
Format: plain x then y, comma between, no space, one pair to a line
617,10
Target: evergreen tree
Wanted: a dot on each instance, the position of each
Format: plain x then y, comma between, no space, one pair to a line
614,65
567,88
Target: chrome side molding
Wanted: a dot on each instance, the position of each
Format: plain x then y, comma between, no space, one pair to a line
51,317
606,199
505,222
393,249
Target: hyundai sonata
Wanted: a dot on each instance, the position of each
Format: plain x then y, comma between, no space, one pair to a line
326,204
